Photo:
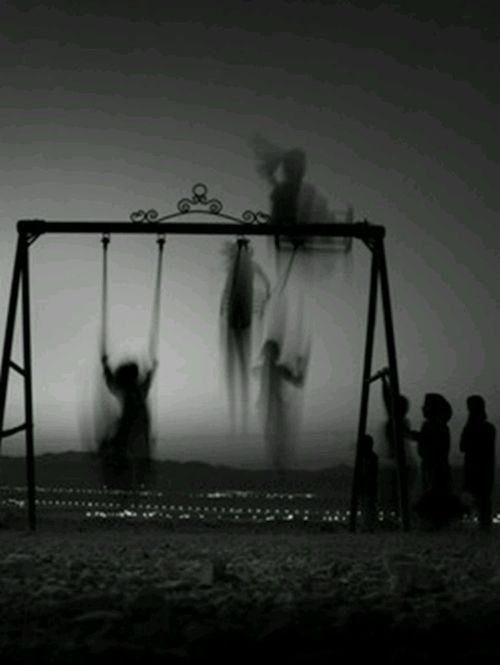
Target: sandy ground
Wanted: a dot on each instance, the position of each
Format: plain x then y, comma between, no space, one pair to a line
78,594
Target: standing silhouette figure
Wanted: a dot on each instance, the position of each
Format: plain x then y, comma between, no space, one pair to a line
477,443
126,451
437,505
434,443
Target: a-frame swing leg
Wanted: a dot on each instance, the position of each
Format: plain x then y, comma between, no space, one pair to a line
20,278
28,388
379,268
365,388
395,415
9,333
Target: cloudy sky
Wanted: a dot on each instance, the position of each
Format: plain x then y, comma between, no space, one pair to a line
109,107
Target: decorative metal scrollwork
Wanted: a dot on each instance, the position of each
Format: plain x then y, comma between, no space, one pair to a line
200,198
251,217
198,203
145,217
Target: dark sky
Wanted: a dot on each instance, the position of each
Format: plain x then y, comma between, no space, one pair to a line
111,107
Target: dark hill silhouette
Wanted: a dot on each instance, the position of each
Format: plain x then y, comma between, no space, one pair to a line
75,469
81,470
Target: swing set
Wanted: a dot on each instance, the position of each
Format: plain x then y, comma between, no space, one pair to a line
248,224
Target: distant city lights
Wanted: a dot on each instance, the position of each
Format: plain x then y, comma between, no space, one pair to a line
146,505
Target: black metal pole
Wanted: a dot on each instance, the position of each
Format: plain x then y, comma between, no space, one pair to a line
9,332
232,226
28,388
365,387
396,420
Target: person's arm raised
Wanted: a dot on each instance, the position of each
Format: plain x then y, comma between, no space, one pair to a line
146,384
295,378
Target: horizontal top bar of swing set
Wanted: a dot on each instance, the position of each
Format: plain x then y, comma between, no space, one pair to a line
363,230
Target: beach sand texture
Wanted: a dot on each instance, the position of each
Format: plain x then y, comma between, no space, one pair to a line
83,594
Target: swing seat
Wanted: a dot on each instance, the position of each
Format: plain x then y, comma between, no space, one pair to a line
317,244
322,244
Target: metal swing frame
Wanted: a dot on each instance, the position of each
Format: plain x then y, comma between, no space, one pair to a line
249,224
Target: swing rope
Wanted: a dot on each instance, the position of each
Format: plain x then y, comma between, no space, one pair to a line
155,311
289,268
284,277
154,330
104,300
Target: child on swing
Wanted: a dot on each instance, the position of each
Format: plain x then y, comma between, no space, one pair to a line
126,453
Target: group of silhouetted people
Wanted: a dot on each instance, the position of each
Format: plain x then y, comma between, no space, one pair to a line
438,504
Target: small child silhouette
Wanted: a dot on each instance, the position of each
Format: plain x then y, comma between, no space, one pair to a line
126,453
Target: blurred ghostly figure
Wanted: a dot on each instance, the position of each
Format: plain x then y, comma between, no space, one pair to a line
237,308
286,190
125,452
286,352
286,193
274,402
392,475
294,201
